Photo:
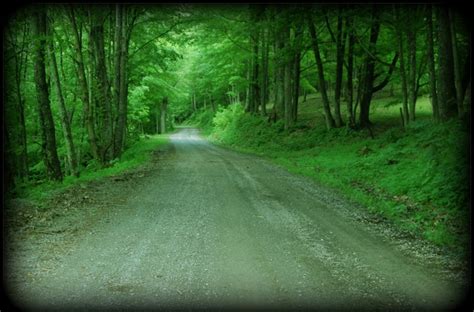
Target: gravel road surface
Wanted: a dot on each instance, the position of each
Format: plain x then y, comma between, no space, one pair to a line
213,228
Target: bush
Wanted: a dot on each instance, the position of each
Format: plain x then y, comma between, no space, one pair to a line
225,116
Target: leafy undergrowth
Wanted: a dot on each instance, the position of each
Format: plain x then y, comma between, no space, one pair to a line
134,156
416,178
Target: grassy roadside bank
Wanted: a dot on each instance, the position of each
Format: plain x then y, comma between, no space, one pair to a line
136,155
417,177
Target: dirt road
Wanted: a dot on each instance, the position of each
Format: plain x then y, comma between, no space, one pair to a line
215,228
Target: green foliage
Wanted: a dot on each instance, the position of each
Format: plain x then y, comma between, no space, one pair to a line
414,177
136,155
226,116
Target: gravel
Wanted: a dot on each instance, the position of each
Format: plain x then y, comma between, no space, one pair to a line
206,227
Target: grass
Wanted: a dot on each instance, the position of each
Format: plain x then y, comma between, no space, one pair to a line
137,154
414,177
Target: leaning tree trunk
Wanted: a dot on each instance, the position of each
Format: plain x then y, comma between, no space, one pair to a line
84,87
322,84
64,116
48,133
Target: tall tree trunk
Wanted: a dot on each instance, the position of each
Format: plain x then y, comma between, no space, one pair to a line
48,133
431,61
279,72
296,84
296,71
254,101
447,90
20,75
248,93
103,94
457,66
264,75
157,118
368,74
403,75
411,35
64,116
117,74
8,177
340,46
350,69
287,72
163,108
119,134
85,87
322,85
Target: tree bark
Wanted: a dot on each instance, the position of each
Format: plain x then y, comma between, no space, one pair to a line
447,90
103,95
431,62
264,76
117,74
279,73
411,35
48,133
457,66
119,134
85,87
350,69
322,85
64,116
296,71
340,46
20,75
368,75
163,108
402,70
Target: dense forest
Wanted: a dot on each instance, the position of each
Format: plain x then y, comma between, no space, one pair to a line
313,154
85,82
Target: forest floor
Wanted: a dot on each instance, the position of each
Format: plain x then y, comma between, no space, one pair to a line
203,226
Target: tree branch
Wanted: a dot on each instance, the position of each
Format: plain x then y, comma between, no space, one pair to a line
389,74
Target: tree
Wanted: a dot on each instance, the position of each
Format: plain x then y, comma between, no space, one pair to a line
412,81
368,71
84,85
350,70
64,116
403,75
47,128
431,61
17,43
447,90
330,123
340,47
101,85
